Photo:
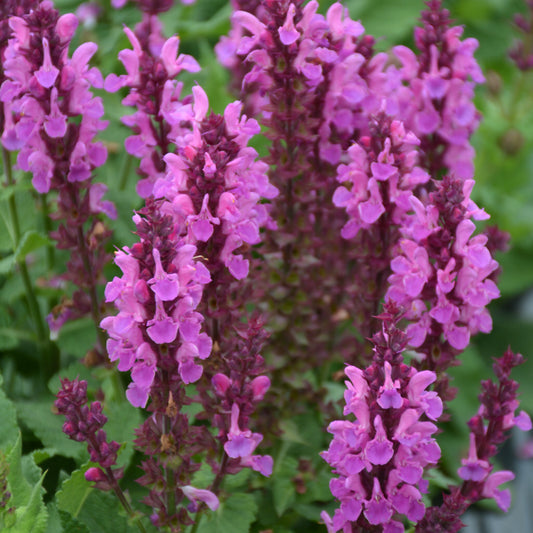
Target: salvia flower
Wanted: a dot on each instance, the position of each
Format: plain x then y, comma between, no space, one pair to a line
380,176
156,297
84,423
52,118
442,273
489,428
435,92
379,458
214,186
151,68
238,394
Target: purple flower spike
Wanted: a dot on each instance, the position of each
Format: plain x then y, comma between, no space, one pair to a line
398,444
52,118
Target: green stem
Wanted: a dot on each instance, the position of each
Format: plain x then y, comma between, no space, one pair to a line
125,172
122,499
49,361
47,223
95,306
33,304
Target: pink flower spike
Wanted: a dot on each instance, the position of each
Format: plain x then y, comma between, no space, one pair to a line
288,34
48,73
202,495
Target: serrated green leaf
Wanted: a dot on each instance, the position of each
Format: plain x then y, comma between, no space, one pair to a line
74,491
235,515
237,481
71,525
8,420
54,519
29,242
102,513
48,427
18,486
203,477
33,517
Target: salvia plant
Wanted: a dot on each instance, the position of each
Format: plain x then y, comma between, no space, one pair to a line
245,265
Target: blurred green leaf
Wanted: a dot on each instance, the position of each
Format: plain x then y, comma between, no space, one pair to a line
47,426
29,242
284,491
8,420
102,512
235,515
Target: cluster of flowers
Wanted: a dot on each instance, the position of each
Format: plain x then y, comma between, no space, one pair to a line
51,118
335,113
432,93
443,267
489,428
151,68
201,215
156,298
380,458
84,423
381,173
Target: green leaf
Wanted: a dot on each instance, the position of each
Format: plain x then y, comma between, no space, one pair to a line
19,487
48,427
33,517
29,242
235,515
76,338
284,491
102,513
71,525
123,418
7,264
8,420
74,491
